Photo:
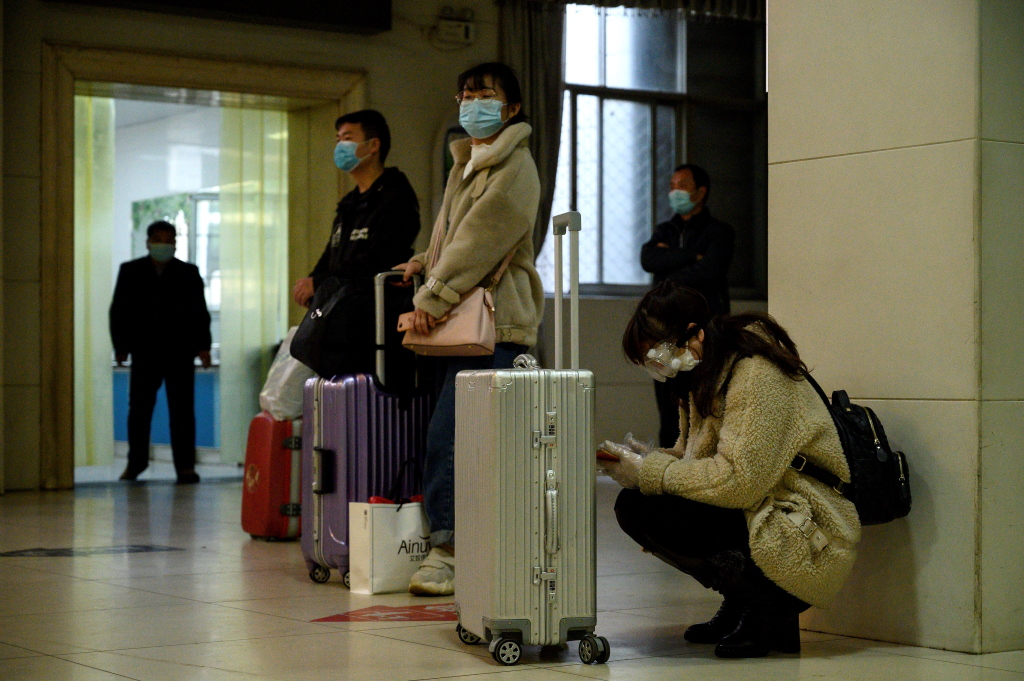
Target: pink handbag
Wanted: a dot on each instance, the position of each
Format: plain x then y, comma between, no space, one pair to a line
468,328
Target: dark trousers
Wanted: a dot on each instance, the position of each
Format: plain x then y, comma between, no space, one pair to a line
439,463
178,374
709,543
668,411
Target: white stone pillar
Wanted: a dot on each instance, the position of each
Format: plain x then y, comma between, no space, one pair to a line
896,260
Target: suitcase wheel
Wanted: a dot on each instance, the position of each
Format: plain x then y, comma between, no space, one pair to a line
466,636
506,652
594,649
347,578
319,574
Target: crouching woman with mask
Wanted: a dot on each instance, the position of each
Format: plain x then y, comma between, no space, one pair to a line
724,505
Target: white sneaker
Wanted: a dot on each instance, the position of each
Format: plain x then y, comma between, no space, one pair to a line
436,576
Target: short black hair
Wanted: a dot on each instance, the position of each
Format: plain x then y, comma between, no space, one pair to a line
373,124
160,226
501,75
700,177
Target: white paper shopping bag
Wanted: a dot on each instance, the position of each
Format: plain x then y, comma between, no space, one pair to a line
387,542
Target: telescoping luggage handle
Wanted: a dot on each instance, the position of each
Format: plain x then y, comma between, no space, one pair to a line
378,314
572,222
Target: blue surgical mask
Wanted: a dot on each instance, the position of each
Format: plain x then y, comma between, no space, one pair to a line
680,201
161,252
481,118
345,155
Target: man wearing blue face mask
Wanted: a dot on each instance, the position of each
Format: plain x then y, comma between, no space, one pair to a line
695,250
159,317
374,227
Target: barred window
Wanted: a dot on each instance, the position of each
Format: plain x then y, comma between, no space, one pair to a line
644,92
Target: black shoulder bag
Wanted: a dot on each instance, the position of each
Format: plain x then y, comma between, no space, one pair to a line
323,326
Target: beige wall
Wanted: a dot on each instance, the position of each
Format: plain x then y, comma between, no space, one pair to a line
407,79
896,166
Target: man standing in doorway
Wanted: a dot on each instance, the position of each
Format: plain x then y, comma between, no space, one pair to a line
159,317
695,250
374,227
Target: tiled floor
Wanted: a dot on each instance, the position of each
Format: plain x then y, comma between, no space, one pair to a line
226,608
157,471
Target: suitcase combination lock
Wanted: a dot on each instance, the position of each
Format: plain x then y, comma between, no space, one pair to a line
548,576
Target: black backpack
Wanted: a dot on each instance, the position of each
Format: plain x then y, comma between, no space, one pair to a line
880,477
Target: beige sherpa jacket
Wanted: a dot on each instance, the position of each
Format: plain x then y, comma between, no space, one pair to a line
740,459
483,218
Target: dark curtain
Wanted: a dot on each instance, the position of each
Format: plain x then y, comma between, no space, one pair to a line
530,40
747,10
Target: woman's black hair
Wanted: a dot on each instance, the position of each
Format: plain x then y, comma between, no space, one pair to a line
501,75
666,313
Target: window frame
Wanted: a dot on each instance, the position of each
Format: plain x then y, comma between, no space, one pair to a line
682,105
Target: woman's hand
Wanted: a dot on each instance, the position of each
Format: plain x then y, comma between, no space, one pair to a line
410,268
423,322
625,471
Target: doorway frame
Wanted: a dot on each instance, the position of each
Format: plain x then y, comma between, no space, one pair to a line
62,66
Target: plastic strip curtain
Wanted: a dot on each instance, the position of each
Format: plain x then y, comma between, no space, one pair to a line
254,263
94,280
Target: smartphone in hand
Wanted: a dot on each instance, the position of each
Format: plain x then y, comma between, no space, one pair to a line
405,321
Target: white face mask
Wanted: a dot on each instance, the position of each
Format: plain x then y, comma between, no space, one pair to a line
665,361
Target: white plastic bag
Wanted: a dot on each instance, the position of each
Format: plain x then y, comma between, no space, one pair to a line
282,393
387,543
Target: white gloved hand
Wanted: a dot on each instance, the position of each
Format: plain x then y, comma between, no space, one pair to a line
625,471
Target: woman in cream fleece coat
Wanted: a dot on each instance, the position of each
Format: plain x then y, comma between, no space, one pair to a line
724,504
488,213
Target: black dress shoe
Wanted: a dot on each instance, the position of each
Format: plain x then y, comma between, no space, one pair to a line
188,478
760,632
718,627
131,474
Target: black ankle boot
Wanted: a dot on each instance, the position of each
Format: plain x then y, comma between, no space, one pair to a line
718,627
761,631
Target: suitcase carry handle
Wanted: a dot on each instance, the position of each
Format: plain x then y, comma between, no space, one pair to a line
323,470
378,314
551,513
573,222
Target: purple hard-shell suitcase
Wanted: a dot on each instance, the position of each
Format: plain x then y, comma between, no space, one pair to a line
355,438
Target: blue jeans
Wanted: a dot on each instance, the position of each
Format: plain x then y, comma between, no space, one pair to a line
439,466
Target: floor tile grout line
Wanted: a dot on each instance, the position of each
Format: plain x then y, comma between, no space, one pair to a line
89,666
187,601
504,670
895,653
325,632
150,659
369,632
624,659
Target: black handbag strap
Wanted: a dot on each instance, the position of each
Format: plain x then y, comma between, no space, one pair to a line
402,468
802,464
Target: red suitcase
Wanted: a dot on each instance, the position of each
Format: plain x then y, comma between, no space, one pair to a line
272,486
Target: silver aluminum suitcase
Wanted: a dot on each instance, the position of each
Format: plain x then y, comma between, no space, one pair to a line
524,495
